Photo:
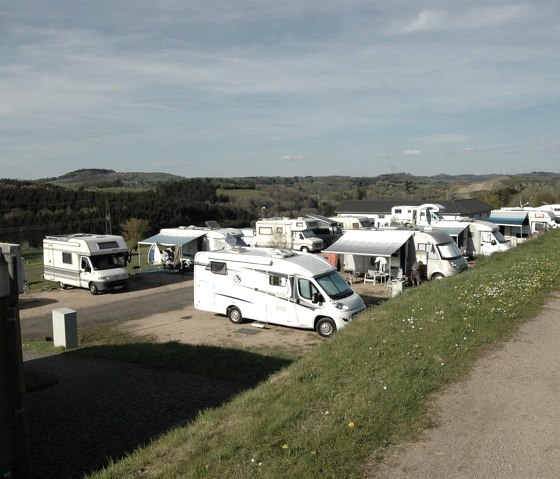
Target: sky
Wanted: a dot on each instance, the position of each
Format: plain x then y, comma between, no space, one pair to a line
233,88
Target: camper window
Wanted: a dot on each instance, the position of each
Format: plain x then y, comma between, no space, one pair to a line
265,230
67,258
279,229
276,280
217,267
306,289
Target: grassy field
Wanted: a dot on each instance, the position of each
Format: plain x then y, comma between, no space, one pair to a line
342,404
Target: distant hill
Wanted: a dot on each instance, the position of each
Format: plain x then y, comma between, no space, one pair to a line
102,178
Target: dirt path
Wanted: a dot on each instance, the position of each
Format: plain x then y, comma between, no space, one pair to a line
502,422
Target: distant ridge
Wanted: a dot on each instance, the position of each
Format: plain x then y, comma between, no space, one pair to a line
100,177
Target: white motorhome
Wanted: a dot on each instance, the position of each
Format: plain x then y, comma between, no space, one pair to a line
474,237
353,222
288,233
518,224
95,262
275,286
358,251
423,215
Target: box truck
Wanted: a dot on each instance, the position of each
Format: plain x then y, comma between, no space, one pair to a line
288,233
95,262
276,286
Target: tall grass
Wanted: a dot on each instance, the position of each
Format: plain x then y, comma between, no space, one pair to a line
344,403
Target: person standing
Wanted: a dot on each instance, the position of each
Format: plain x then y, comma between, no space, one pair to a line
416,274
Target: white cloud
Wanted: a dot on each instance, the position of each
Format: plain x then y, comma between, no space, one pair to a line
479,17
412,152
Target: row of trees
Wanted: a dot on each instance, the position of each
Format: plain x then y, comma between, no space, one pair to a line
29,210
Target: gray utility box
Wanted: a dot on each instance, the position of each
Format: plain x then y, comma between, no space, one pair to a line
65,328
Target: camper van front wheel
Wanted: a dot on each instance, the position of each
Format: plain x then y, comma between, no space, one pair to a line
325,327
93,289
304,249
235,315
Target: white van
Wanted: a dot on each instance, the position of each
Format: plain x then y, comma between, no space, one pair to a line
95,262
275,286
439,253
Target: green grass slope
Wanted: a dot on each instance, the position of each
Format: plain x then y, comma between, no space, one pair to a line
341,405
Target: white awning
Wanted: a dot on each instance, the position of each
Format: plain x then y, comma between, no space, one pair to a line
170,240
370,242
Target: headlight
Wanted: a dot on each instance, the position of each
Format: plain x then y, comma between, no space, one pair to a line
105,278
338,305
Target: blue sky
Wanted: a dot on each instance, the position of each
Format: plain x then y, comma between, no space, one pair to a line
292,88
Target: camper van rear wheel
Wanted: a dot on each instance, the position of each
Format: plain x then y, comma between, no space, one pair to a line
234,315
325,327
61,285
93,289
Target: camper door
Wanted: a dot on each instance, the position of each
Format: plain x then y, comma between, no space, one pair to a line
308,300
279,309
86,272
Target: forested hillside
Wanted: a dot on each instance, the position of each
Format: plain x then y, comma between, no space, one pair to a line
29,210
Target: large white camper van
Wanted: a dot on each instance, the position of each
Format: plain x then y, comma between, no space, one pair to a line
95,262
275,286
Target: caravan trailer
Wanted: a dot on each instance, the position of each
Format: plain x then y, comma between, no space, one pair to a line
95,262
275,286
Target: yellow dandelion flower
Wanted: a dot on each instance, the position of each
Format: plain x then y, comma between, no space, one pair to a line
285,446
351,424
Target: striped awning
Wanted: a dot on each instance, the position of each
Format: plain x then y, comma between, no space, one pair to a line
367,242
508,218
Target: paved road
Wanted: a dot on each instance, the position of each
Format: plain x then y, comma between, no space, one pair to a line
152,293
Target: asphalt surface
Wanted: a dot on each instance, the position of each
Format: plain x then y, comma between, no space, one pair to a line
152,293
103,410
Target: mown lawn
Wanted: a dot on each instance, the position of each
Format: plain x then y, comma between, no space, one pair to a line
343,403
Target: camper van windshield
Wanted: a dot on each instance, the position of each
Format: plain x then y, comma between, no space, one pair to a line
308,233
449,250
334,285
107,261
499,237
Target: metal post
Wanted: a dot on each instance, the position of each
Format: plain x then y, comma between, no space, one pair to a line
9,315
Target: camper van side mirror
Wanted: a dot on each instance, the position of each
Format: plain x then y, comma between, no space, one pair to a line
317,298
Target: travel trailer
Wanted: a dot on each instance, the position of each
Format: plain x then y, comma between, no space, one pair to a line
95,262
358,251
174,248
288,233
518,224
276,286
